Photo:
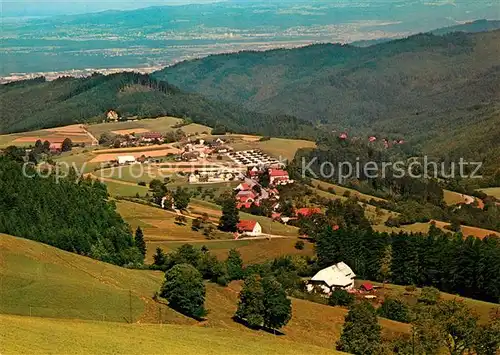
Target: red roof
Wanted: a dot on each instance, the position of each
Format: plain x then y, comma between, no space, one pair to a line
153,135
245,187
306,212
246,226
243,204
55,146
275,215
367,286
278,173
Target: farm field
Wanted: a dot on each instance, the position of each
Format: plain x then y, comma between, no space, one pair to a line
453,198
275,147
424,228
160,124
492,191
340,190
159,225
25,335
76,133
252,251
482,308
155,151
268,225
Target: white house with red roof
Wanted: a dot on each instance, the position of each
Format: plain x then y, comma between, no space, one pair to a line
250,228
338,276
278,177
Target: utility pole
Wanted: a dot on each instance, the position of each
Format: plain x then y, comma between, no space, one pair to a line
130,305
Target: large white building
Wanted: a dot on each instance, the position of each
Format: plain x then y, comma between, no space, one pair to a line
126,159
338,276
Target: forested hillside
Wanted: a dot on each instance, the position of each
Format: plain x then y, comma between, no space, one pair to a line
439,93
34,104
72,216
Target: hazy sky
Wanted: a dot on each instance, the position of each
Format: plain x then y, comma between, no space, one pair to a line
58,7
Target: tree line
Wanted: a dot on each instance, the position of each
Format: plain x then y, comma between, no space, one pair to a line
454,264
71,215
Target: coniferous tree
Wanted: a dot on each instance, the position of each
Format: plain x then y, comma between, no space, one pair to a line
139,241
230,215
234,265
361,331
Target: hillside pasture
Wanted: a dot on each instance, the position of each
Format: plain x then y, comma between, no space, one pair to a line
160,225
43,281
76,133
252,251
140,126
492,191
424,228
26,335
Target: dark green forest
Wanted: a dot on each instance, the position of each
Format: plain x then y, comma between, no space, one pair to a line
438,93
70,215
35,104
469,267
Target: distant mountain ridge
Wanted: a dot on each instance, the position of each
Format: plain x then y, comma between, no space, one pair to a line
36,104
427,89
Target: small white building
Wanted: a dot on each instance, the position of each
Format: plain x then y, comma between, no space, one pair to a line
338,276
126,159
250,228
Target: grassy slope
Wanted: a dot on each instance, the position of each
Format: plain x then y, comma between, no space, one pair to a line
482,308
58,284
44,281
493,191
23,335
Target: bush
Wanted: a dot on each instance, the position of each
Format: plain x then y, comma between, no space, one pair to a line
341,298
184,290
429,295
141,183
299,245
395,309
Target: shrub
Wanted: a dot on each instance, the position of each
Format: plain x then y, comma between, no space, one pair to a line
299,245
395,309
341,298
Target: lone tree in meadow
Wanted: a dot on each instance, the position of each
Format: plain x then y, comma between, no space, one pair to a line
184,290
139,241
361,331
251,304
67,145
230,215
234,265
182,197
263,302
277,307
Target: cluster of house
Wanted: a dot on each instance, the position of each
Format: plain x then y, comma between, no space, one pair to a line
252,158
140,140
250,191
214,175
201,149
337,277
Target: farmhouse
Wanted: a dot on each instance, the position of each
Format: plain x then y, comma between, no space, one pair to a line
338,276
250,228
55,148
126,159
308,211
278,177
